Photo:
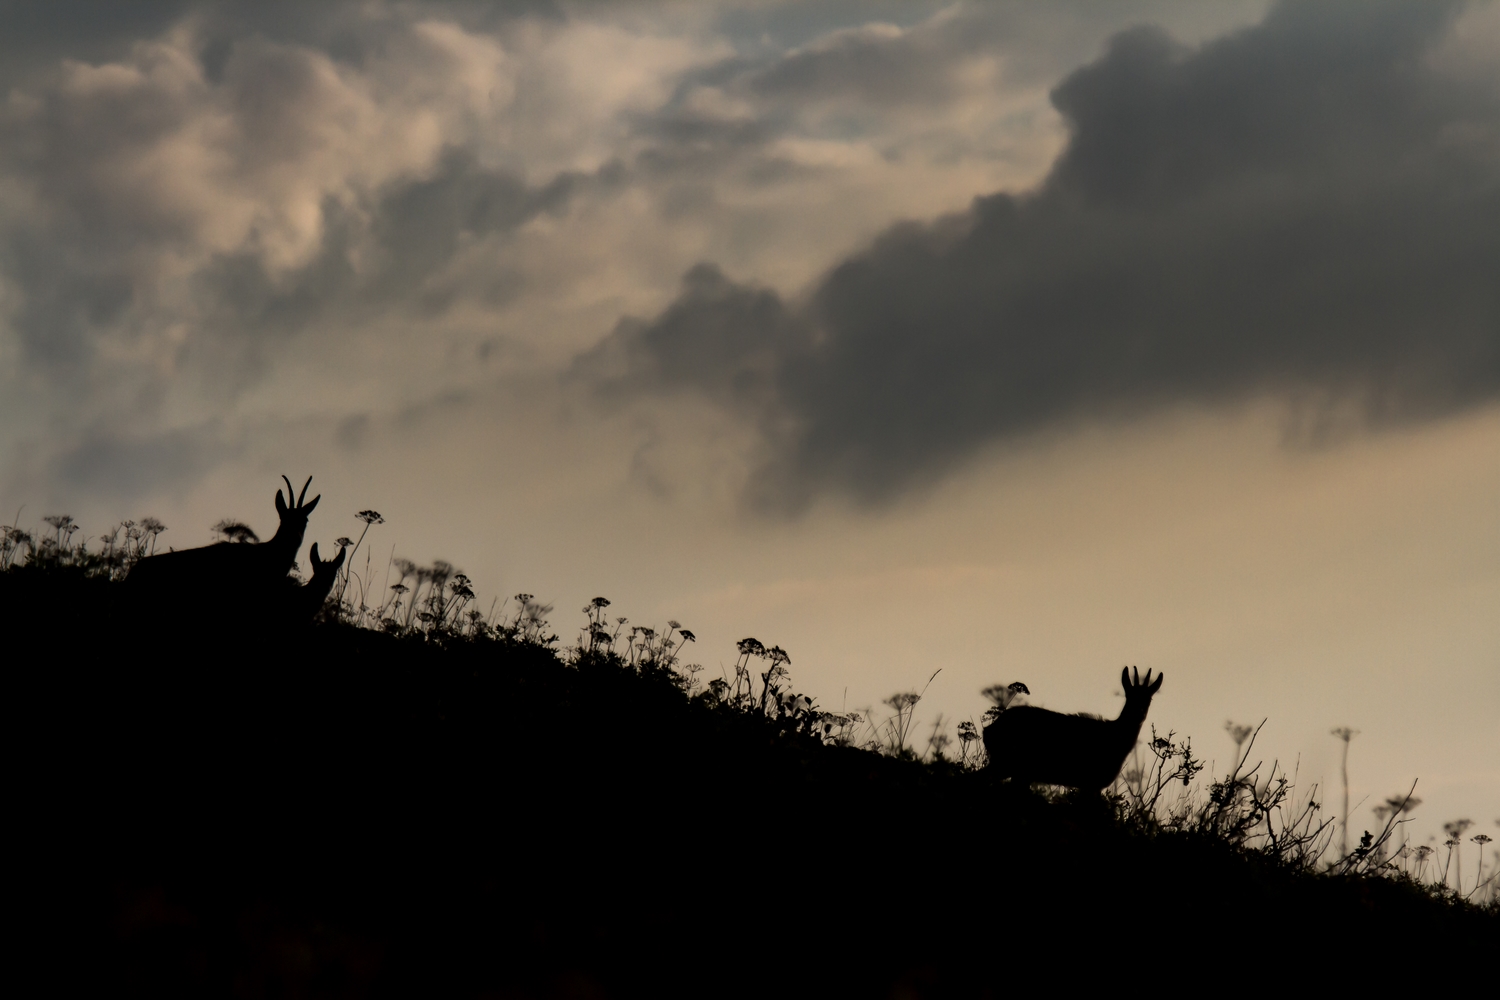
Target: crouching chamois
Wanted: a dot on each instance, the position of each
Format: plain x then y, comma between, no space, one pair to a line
1030,744
241,578
302,604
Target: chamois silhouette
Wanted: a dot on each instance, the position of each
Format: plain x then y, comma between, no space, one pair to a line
304,602
243,576
1029,744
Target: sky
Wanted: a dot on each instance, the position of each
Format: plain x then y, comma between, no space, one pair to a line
1010,341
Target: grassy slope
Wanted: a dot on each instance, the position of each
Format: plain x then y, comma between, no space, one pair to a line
340,812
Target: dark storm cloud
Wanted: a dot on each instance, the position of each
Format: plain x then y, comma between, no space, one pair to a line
1308,206
725,338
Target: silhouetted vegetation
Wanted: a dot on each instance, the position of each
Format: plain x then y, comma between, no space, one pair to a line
414,797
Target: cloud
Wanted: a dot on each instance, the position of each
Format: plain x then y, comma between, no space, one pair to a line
1307,208
188,189
719,336
175,213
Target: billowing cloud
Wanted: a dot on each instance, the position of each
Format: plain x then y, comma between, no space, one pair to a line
1308,208
150,190
187,191
224,216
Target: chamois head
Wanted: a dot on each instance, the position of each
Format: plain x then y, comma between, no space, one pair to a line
293,519
1138,692
324,575
324,571
285,509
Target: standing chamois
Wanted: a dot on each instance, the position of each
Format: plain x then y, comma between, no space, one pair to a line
244,578
1030,744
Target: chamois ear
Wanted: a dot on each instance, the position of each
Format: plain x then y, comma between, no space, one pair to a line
280,503
312,555
1151,690
338,560
311,504
1125,678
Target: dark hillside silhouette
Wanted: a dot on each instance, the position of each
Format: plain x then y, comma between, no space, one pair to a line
1029,744
333,811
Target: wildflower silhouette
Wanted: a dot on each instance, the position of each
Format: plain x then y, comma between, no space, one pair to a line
1344,734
